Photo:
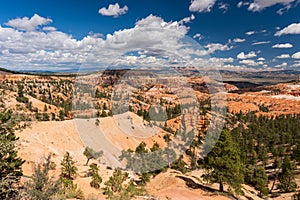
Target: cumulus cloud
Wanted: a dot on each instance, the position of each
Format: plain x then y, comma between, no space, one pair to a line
187,19
238,40
283,56
261,59
49,28
251,63
212,47
296,64
113,10
296,55
201,5
28,24
242,55
259,5
282,65
291,29
152,38
222,60
283,46
46,46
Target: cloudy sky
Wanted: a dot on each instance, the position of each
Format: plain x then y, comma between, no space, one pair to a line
226,34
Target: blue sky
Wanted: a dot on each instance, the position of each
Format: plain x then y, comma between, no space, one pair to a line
236,35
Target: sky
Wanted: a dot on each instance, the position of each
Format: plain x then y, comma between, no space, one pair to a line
54,35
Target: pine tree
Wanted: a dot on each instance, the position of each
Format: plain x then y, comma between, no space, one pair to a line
296,153
261,181
115,183
42,186
10,163
287,176
223,163
68,168
117,189
96,178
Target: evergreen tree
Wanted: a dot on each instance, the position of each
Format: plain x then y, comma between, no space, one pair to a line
96,178
115,183
10,163
296,153
223,164
68,168
180,165
42,186
287,176
257,177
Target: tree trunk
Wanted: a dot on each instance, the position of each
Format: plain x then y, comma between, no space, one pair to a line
275,179
221,187
87,162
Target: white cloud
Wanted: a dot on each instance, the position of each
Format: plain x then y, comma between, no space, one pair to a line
251,63
283,46
259,5
48,47
261,59
282,65
240,4
281,11
224,7
242,55
113,10
238,40
222,60
291,29
212,47
283,56
250,33
198,35
296,55
26,24
201,5
296,64
262,42
49,28
187,19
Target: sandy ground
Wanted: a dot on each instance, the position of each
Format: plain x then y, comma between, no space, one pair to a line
57,137
168,186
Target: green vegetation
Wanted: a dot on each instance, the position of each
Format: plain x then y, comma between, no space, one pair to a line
287,176
260,151
68,168
257,177
68,173
94,173
89,153
42,186
10,163
116,188
223,164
